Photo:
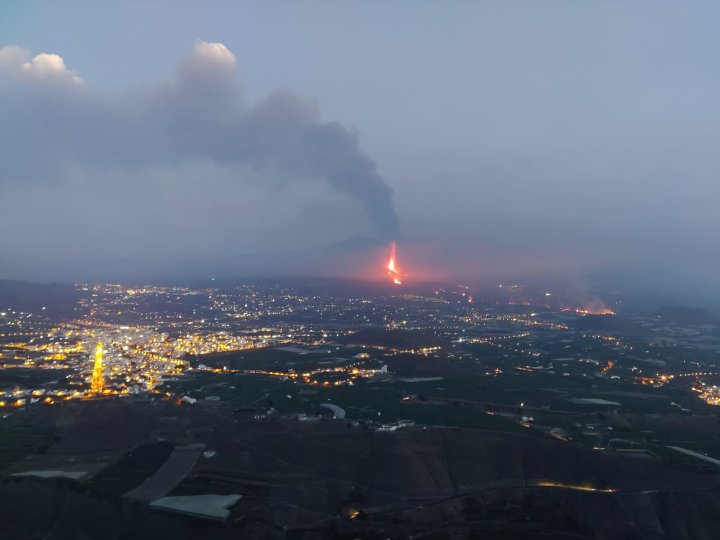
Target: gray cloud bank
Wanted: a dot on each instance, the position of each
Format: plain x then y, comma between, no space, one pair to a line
54,129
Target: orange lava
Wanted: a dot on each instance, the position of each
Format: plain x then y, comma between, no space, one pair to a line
392,268
590,311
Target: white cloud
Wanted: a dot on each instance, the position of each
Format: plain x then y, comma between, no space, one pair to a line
209,67
12,59
16,62
214,52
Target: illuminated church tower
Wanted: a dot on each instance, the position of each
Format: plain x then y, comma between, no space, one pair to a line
97,383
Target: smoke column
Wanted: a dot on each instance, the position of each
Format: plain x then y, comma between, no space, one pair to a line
198,116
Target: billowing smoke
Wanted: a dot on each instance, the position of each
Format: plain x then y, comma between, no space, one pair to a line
52,124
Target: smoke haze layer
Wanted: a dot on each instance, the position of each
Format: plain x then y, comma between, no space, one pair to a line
522,142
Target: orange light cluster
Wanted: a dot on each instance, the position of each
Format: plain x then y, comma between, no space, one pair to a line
608,366
589,311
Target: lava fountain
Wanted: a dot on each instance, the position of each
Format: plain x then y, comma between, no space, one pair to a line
392,268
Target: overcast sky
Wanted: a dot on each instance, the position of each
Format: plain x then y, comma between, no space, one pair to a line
490,138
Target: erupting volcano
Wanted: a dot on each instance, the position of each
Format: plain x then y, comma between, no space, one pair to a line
393,272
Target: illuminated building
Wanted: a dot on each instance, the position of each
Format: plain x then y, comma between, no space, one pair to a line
97,382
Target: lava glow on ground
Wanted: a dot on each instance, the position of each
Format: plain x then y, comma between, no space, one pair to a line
392,268
590,310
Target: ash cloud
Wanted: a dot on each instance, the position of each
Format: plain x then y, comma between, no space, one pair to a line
53,125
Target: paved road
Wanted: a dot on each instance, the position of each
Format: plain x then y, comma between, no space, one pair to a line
170,474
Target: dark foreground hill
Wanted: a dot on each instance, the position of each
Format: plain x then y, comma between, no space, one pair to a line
331,479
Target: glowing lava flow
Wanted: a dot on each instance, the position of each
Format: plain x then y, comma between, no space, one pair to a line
589,310
392,267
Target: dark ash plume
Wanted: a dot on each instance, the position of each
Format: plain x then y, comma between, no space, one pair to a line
198,116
